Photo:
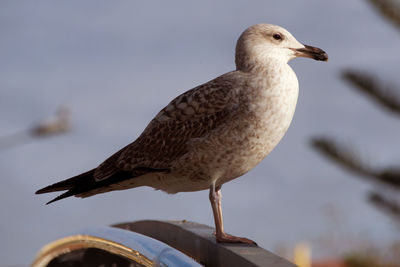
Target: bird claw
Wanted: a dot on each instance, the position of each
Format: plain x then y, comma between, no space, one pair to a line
225,238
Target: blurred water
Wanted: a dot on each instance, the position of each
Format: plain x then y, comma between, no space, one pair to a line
116,64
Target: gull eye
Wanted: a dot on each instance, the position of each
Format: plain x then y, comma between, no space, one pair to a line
277,36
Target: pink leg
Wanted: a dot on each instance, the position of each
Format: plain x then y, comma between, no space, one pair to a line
221,236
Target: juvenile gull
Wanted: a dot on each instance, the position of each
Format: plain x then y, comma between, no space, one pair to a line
212,133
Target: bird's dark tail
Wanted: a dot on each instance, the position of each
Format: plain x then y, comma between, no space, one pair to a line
70,184
84,185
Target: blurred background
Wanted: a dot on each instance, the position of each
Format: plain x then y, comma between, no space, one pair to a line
81,79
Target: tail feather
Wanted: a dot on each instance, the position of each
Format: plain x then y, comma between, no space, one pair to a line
68,183
64,195
84,185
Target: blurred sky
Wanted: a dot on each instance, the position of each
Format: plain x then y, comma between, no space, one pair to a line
117,63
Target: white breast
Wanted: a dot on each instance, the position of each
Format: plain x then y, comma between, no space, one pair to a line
266,110
271,102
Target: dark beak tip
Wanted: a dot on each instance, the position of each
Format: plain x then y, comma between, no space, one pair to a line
324,57
314,52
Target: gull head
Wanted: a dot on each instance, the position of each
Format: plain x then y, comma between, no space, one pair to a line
261,44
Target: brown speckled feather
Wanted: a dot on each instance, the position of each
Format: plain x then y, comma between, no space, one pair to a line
213,133
191,115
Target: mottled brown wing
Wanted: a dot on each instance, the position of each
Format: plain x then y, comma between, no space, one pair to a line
190,115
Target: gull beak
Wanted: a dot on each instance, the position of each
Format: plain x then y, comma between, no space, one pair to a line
311,52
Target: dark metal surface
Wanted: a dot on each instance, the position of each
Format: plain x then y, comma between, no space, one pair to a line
197,241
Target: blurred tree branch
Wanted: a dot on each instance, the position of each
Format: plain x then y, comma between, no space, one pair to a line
386,96
389,9
341,155
348,159
387,205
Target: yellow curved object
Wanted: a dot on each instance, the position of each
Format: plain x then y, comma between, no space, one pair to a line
76,242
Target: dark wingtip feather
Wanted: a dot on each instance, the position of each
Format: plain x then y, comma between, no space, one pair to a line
64,195
53,188
51,201
46,189
84,184
66,184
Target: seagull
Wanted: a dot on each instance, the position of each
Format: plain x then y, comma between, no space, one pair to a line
213,133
